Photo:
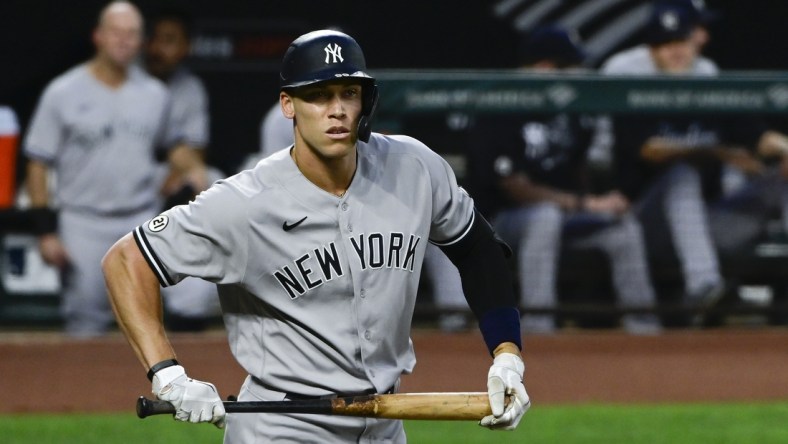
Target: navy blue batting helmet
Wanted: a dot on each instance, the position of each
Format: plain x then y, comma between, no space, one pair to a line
324,55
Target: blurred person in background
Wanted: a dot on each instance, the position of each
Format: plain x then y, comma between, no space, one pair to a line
671,166
640,59
529,175
193,303
96,127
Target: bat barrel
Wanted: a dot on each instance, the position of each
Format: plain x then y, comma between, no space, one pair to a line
466,406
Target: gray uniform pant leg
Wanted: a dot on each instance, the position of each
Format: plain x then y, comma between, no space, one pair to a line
86,237
445,279
676,199
624,245
535,232
254,428
739,217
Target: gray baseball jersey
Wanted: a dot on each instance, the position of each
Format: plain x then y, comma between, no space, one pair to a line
89,133
637,60
189,114
317,290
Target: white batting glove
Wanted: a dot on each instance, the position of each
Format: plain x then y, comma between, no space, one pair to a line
194,401
506,378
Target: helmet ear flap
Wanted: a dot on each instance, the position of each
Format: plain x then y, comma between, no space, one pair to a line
368,108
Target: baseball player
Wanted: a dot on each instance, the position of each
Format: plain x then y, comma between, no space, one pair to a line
317,253
672,166
96,127
670,48
192,303
276,132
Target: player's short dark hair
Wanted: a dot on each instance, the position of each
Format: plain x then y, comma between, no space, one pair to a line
551,42
172,11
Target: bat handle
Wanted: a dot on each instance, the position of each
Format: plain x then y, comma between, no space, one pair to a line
147,407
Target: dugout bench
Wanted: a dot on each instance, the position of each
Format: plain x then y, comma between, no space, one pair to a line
29,288
445,100
438,106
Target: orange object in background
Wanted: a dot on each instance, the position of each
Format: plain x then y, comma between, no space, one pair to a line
9,136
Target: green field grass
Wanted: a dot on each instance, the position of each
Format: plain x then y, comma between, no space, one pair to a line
761,423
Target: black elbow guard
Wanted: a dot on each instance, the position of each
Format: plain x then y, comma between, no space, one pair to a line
479,231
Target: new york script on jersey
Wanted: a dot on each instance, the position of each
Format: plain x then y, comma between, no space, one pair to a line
373,251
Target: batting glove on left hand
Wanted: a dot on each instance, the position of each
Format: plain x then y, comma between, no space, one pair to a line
194,401
506,378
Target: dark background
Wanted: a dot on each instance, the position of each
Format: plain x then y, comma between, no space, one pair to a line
39,39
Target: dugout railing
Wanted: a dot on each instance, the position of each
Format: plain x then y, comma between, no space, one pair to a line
434,106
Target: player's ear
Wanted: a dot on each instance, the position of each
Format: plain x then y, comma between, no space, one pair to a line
287,105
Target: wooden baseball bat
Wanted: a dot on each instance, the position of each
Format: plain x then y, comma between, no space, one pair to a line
431,406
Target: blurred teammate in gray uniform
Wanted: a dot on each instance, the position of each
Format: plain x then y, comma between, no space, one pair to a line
96,126
672,49
673,166
638,59
193,302
276,131
317,253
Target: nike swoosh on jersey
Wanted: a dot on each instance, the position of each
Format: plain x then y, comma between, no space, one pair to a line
287,227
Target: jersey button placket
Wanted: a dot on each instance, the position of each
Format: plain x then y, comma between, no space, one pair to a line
345,217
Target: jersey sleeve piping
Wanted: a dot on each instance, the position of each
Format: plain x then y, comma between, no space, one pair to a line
459,236
150,257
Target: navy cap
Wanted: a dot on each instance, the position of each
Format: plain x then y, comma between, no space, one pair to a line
553,43
670,22
696,9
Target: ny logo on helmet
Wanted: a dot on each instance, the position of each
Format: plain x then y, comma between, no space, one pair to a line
336,52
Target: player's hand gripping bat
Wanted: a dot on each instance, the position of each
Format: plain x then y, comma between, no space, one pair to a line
430,406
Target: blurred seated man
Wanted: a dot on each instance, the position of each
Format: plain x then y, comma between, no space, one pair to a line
671,165
639,59
528,172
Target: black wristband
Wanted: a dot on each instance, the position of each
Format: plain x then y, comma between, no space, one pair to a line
160,365
42,220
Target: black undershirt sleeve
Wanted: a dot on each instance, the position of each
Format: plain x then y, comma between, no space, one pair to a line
482,260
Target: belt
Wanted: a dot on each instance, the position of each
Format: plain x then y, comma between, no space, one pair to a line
297,396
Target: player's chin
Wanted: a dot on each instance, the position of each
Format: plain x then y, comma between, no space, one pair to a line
339,146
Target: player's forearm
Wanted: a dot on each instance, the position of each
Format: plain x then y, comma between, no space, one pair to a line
36,184
135,298
523,191
188,163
